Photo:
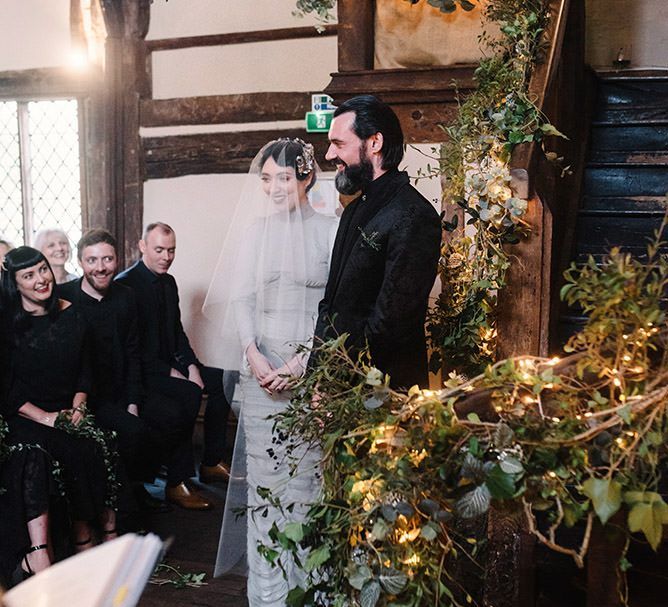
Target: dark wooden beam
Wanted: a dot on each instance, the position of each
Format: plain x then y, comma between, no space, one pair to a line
179,155
423,98
127,23
215,109
270,35
356,35
48,82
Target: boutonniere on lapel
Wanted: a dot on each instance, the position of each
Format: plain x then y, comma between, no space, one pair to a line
370,240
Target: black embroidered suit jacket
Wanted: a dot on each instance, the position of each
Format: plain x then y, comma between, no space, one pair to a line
383,267
166,346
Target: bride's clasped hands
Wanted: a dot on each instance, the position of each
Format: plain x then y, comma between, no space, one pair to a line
274,379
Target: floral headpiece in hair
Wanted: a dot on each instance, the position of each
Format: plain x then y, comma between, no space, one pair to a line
305,161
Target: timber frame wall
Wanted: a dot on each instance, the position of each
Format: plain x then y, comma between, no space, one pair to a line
121,160
423,99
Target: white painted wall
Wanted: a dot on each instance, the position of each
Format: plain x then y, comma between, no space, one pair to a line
34,33
640,27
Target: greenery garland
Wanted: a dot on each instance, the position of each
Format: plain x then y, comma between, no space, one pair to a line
574,439
87,428
7,450
494,119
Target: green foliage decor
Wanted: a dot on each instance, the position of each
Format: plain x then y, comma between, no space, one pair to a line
494,119
87,428
568,441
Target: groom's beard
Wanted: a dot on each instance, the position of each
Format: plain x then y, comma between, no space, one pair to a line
355,177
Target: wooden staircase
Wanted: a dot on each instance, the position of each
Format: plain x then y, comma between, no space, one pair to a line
626,175
626,178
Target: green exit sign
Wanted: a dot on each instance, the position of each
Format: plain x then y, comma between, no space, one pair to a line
318,122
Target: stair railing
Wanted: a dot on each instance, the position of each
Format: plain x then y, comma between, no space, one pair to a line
560,88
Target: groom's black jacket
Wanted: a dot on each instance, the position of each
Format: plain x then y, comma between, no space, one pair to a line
383,266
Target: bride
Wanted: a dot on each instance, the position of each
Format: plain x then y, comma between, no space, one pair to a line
264,297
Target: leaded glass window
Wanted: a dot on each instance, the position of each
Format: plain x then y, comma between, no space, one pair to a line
39,169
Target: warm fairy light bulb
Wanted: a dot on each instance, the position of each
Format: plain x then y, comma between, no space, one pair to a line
617,382
553,361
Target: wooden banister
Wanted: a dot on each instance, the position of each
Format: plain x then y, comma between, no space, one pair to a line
526,306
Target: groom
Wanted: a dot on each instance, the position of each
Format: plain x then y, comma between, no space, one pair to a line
386,249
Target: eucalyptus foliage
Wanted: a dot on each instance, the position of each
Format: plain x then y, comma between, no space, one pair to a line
321,8
494,119
574,439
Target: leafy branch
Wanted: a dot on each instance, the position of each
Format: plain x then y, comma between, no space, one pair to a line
165,574
575,439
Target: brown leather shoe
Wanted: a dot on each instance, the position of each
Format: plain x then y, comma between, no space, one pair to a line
182,496
220,473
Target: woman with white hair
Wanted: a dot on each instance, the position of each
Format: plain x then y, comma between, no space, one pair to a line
55,246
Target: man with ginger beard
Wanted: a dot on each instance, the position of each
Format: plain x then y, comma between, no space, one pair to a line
110,310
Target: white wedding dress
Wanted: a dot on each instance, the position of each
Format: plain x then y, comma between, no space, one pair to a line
278,314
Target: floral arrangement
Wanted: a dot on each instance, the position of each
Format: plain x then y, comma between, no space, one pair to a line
575,439
475,164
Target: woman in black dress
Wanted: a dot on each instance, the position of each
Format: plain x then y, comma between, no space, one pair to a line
49,377
25,482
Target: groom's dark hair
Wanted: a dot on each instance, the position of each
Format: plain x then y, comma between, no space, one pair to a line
373,116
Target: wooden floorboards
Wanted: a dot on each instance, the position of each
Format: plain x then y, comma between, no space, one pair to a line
194,551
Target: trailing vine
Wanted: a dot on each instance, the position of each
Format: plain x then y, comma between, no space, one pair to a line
7,450
87,428
577,439
494,119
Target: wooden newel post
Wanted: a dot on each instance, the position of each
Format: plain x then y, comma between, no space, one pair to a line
604,577
509,579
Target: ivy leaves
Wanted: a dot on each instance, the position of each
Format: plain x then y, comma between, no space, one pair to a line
647,513
605,495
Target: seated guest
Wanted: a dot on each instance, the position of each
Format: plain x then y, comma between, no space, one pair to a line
55,245
110,310
25,487
49,377
173,377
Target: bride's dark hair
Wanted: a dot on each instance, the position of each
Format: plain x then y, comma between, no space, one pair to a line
291,153
15,260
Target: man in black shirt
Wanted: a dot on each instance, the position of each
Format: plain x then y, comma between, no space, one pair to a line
171,370
111,312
